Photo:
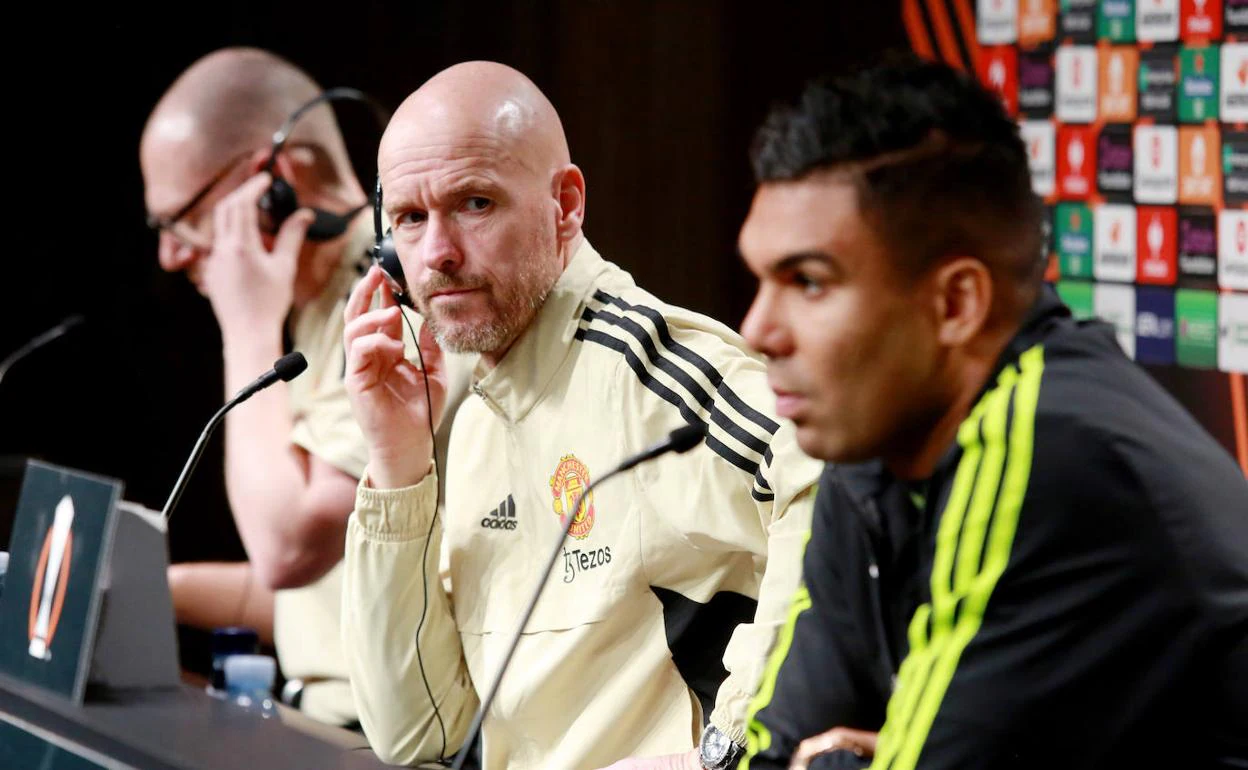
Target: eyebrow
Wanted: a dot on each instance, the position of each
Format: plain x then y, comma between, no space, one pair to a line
474,184
794,261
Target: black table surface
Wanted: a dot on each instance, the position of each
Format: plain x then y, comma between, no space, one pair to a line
174,729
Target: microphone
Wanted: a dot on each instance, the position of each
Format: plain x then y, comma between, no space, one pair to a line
680,440
287,368
38,342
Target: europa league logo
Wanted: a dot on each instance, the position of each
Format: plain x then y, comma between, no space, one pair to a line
47,596
996,74
1117,73
1074,154
1156,236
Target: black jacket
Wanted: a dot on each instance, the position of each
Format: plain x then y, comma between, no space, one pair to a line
1069,589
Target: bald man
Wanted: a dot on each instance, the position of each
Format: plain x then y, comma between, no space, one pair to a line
654,628
293,452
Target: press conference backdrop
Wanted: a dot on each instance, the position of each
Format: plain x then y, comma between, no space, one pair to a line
1133,113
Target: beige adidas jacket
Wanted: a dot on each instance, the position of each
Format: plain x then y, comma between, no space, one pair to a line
629,637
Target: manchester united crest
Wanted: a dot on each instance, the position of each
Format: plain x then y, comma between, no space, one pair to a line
570,479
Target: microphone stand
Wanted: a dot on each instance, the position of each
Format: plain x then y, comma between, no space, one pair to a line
37,342
287,368
193,460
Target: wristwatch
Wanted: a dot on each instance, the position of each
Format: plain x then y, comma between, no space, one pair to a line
718,751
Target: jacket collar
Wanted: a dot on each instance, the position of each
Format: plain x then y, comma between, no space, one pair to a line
522,378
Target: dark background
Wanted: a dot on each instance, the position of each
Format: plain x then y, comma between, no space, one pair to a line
659,100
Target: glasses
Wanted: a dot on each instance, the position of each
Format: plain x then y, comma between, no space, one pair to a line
195,233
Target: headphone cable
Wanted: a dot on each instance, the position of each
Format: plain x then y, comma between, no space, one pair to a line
424,611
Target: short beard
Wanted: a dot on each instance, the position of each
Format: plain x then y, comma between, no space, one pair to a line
512,310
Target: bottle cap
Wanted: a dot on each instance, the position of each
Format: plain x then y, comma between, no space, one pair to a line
235,639
250,672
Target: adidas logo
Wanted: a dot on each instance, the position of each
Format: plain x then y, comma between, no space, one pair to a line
502,517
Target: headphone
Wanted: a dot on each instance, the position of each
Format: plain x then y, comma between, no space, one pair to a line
280,201
386,257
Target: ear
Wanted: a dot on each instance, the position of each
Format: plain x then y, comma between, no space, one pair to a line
569,192
964,294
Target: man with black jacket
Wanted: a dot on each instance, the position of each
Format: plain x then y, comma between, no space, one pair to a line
1027,553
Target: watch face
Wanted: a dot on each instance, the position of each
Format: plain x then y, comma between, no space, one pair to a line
715,748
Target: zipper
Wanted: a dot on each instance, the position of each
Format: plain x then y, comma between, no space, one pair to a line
877,603
480,393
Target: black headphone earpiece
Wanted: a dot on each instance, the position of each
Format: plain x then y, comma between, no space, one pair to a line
279,202
386,257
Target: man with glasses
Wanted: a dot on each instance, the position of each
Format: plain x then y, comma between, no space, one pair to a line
293,453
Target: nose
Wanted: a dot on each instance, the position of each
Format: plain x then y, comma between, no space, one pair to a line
439,245
174,255
764,328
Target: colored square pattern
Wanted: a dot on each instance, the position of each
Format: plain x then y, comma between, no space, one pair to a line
1200,20
1119,84
1072,226
1037,22
1115,164
1116,21
1198,247
1134,114
1154,326
1198,84
1233,332
1196,341
1076,162
1157,245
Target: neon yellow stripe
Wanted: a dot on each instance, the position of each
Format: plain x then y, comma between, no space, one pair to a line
974,531
916,668
757,736
910,678
1000,543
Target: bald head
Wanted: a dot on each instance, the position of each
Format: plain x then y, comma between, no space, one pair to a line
485,204
482,102
230,102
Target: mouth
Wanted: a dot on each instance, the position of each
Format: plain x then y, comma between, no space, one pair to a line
788,404
450,293
448,297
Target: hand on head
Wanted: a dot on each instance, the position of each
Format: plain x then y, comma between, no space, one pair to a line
251,286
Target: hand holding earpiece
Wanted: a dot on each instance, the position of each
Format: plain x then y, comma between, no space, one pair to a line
251,288
387,392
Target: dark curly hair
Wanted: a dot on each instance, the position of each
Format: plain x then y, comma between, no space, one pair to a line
939,167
